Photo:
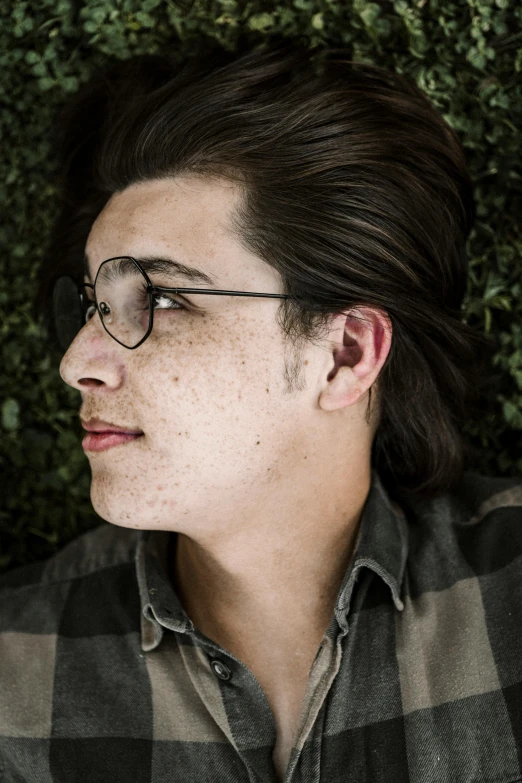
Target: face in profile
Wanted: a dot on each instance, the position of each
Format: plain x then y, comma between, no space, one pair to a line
207,388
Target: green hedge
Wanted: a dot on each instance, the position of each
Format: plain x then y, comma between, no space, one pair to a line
466,56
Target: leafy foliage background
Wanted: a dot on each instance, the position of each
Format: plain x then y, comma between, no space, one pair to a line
466,56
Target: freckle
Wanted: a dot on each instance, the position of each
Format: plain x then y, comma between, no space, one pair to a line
242,362
179,433
306,457
176,378
267,391
306,361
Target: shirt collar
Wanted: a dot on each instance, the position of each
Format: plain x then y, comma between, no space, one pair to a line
381,546
160,605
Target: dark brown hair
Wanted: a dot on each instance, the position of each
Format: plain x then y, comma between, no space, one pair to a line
354,189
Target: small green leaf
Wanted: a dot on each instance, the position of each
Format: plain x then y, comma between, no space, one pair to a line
512,415
317,21
10,412
261,21
370,13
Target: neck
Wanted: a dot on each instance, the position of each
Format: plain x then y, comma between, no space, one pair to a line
274,582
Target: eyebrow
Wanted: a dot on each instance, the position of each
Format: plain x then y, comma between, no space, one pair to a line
169,267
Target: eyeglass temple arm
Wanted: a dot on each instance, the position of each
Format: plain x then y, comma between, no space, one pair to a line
214,291
202,291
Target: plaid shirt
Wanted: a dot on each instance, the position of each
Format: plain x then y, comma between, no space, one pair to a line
104,678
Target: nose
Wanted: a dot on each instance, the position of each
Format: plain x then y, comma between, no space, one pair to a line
93,359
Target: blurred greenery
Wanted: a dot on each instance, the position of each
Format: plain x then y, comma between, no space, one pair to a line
465,55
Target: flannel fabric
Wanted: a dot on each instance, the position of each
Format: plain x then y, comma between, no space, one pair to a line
105,679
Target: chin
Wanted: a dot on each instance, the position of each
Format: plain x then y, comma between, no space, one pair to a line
134,517
102,508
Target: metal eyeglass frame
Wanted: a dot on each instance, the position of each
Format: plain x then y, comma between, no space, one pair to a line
153,289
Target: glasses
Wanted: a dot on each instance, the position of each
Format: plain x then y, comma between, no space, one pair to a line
124,296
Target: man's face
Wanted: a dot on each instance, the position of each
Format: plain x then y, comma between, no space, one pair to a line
207,388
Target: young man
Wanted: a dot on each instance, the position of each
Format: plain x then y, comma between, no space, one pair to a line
298,582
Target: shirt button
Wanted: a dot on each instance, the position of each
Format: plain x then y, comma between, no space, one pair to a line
220,670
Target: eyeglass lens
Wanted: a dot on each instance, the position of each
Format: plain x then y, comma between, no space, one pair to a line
123,304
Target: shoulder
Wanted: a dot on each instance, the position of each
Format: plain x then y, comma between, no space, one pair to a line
55,597
486,516
101,548
472,530
478,496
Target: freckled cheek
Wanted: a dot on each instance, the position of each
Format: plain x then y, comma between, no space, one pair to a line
187,386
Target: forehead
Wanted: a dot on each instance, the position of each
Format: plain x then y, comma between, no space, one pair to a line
182,217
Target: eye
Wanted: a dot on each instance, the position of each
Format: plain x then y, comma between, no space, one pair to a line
166,302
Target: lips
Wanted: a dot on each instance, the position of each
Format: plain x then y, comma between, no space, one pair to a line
103,435
99,426
101,441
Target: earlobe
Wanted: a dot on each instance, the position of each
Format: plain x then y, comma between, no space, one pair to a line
365,345
343,389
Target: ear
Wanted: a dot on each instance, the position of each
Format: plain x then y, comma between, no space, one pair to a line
359,344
